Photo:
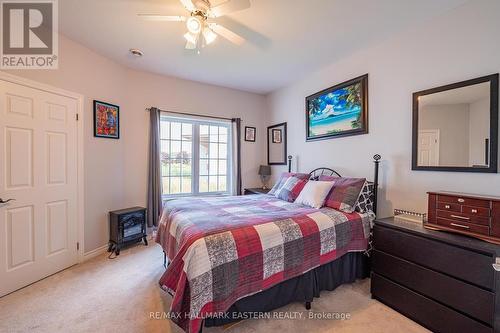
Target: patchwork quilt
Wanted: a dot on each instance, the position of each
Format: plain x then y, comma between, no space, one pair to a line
222,249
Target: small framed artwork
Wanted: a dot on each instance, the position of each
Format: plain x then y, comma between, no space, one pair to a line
106,120
250,133
277,137
341,110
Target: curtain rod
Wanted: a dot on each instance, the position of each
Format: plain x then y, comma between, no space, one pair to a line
195,115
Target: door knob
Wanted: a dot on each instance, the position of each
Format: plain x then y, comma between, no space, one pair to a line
5,201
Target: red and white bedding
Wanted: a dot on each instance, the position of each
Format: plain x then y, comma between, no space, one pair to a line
225,248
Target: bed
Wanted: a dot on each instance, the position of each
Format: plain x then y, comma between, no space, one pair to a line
234,255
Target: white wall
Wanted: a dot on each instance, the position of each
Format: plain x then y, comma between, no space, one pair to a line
479,129
459,45
116,170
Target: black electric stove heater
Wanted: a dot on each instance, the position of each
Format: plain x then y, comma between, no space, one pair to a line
126,226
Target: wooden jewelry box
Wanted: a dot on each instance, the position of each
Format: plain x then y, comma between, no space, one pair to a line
469,214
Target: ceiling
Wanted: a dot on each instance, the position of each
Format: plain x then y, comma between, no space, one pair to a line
286,39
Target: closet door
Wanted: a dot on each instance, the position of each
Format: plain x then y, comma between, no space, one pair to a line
38,170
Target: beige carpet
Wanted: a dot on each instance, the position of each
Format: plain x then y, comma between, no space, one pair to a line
103,295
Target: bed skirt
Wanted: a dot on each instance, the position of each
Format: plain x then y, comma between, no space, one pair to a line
303,288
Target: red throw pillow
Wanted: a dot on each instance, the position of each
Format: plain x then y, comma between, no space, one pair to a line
291,189
283,178
344,193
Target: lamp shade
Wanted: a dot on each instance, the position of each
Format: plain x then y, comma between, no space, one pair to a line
264,170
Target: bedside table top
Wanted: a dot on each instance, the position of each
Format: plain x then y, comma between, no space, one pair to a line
257,190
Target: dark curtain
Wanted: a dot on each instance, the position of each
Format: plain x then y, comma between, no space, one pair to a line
237,162
154,171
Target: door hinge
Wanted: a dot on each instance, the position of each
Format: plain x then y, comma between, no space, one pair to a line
77,117
77,246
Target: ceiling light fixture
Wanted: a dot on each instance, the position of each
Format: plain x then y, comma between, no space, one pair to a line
209,35
191,38
190,46
193,25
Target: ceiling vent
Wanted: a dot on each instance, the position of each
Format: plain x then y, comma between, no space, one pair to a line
136,52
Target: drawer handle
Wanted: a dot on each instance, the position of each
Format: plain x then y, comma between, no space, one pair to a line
447,206
460,217
496,265
474,211
460,200
459,225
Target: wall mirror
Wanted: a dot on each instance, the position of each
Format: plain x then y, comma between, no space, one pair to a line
276,144
455,127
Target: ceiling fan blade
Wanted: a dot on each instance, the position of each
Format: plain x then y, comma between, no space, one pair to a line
228,7
188,4
168,18
226,33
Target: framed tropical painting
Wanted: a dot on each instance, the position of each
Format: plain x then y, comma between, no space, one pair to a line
341,110
106,120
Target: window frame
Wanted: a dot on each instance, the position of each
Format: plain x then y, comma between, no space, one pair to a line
195,155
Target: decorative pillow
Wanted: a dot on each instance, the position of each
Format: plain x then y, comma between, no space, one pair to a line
314,193
291,189
365,201
284,176
344,194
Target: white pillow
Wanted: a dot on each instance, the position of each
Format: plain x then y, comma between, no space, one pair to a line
314,193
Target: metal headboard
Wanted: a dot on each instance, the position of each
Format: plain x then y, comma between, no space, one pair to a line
330,172
316,173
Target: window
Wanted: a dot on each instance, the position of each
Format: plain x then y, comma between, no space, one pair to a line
195,156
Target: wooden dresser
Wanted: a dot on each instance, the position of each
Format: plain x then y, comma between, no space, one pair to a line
444,281
472,215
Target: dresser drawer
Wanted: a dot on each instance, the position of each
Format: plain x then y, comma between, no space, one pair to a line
464,226
463,201
423,310
463,264
471,300
476,211
463,218
449,206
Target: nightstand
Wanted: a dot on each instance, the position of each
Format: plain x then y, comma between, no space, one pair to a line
258,190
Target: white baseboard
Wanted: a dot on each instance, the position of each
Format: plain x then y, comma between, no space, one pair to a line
94,253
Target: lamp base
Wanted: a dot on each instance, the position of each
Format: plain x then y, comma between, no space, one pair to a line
263,179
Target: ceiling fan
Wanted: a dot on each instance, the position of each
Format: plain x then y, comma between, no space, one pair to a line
199,22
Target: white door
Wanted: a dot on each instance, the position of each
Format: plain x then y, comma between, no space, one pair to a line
38,168
428,148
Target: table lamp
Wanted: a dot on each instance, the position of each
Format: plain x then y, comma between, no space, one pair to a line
264,172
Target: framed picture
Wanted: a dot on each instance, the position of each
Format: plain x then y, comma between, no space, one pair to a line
341,110
250,133
277,136
106,120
